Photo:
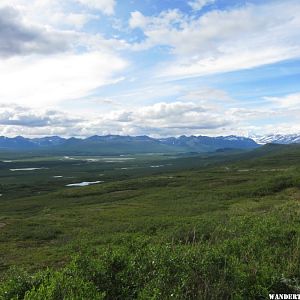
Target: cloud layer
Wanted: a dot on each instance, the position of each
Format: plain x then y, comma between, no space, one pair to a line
48,63
160,119
223,40
84,67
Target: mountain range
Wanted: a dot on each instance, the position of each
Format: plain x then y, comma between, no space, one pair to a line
117,144
278,139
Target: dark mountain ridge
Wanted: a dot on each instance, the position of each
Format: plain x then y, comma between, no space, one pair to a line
114,144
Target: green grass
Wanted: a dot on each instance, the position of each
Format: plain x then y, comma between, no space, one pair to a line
207,227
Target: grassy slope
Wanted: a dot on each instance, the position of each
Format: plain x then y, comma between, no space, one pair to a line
229,230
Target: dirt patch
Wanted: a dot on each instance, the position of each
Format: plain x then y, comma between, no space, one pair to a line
2,225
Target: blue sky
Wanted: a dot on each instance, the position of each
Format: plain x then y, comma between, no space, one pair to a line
161,68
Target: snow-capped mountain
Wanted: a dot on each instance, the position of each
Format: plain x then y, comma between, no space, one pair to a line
206,143
278,139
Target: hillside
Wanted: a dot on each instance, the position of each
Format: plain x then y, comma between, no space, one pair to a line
221,226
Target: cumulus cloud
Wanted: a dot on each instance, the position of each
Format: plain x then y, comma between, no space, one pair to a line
23,116
46,27
192,116
72,20
17,38
79,63
52,13
291,101
159,119
82,61
223,40
162,119
199,4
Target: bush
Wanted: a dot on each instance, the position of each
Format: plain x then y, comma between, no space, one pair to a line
61,286
250,257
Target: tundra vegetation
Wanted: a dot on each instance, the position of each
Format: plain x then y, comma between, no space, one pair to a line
212,226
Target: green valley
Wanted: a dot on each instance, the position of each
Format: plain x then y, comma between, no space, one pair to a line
222,225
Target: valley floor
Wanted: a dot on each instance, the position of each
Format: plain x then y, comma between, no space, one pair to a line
194,228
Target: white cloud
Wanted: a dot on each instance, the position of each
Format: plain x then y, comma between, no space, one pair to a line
14,115
228,62
291,101
194,116
165,20
221,41
44,57
137,20
71,19
49,60
39,81
106,6
199,4
19,38
208,96
161,119
57,13
47,13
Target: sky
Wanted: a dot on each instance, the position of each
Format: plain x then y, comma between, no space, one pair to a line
149,67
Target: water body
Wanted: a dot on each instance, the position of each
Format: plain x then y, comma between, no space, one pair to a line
84,183
92,159
98,159
158,166
27,169
117,160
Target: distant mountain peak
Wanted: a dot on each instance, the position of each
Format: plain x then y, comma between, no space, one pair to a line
278,139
